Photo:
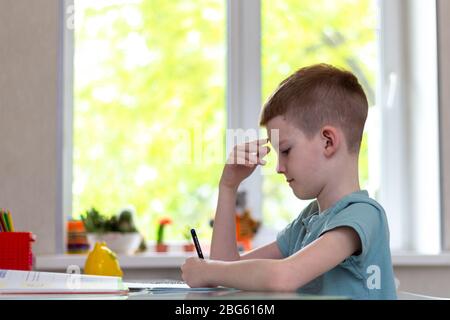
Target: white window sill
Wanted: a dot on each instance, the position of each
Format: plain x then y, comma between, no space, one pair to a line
414,259
153,260
138,261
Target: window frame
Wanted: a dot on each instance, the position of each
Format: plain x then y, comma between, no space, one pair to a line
443,18
390,103
401,44
244,83
65,119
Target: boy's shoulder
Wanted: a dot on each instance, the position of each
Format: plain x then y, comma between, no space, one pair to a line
359,206
360,200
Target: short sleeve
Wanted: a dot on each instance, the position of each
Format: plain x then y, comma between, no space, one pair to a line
289,236
365,219
283,238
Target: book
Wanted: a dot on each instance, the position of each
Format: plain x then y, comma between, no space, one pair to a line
32,282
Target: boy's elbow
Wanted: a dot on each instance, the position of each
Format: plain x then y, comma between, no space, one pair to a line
281,280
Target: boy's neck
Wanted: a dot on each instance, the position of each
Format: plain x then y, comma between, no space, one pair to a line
343,184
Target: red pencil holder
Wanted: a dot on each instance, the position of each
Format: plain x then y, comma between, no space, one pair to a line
15,250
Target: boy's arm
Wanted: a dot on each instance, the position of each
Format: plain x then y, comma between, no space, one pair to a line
287,274
269,251
223,243
320,256
241,163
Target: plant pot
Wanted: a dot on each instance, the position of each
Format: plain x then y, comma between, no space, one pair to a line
188,247
120,243
161,247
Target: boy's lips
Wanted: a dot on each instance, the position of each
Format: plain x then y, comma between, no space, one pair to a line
289,180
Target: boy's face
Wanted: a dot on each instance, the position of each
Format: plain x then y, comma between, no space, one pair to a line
300,159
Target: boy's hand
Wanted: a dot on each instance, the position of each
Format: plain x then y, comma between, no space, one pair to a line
242,161
194,272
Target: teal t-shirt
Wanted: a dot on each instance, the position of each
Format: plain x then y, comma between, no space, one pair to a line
368,275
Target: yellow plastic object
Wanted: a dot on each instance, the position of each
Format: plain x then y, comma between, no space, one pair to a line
102,262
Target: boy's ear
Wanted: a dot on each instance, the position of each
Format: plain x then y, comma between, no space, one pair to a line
331,140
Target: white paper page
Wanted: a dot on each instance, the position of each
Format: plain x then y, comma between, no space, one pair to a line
12,281
169,286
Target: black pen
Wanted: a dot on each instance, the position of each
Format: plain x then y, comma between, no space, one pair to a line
197,244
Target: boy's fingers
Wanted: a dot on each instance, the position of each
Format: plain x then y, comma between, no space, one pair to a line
248,158
234,158
246,155
239,160
250,152
242,149
259,153
252,157
247,147
259,142
252,145
245,162
262,151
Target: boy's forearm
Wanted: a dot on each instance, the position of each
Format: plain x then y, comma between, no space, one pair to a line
251,275
223,244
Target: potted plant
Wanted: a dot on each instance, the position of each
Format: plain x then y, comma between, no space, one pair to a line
160,245
188,246
119,231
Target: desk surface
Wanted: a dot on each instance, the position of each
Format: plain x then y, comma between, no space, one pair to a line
229,295
146,295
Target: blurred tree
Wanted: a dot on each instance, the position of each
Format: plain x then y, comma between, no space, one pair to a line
149,89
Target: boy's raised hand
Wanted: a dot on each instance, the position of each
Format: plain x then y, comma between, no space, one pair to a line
242,161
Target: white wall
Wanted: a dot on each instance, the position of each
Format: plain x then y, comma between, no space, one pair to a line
29,126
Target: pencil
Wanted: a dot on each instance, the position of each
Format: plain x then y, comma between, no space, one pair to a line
6,222
11,224
197,244
2,228
3,222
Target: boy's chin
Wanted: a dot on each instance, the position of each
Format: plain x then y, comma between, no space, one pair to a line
302,195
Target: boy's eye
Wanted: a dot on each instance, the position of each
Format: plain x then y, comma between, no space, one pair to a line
286,152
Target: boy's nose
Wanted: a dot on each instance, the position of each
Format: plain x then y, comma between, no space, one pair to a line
280,167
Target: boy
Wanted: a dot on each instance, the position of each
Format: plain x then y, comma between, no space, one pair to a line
339,244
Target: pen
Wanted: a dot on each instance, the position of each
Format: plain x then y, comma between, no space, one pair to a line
197,244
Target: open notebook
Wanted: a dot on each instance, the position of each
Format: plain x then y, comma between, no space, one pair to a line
167,285
31,282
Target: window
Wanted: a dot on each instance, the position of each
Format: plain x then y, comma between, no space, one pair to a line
152,103
149,98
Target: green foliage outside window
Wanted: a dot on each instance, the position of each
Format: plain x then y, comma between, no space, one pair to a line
149,76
